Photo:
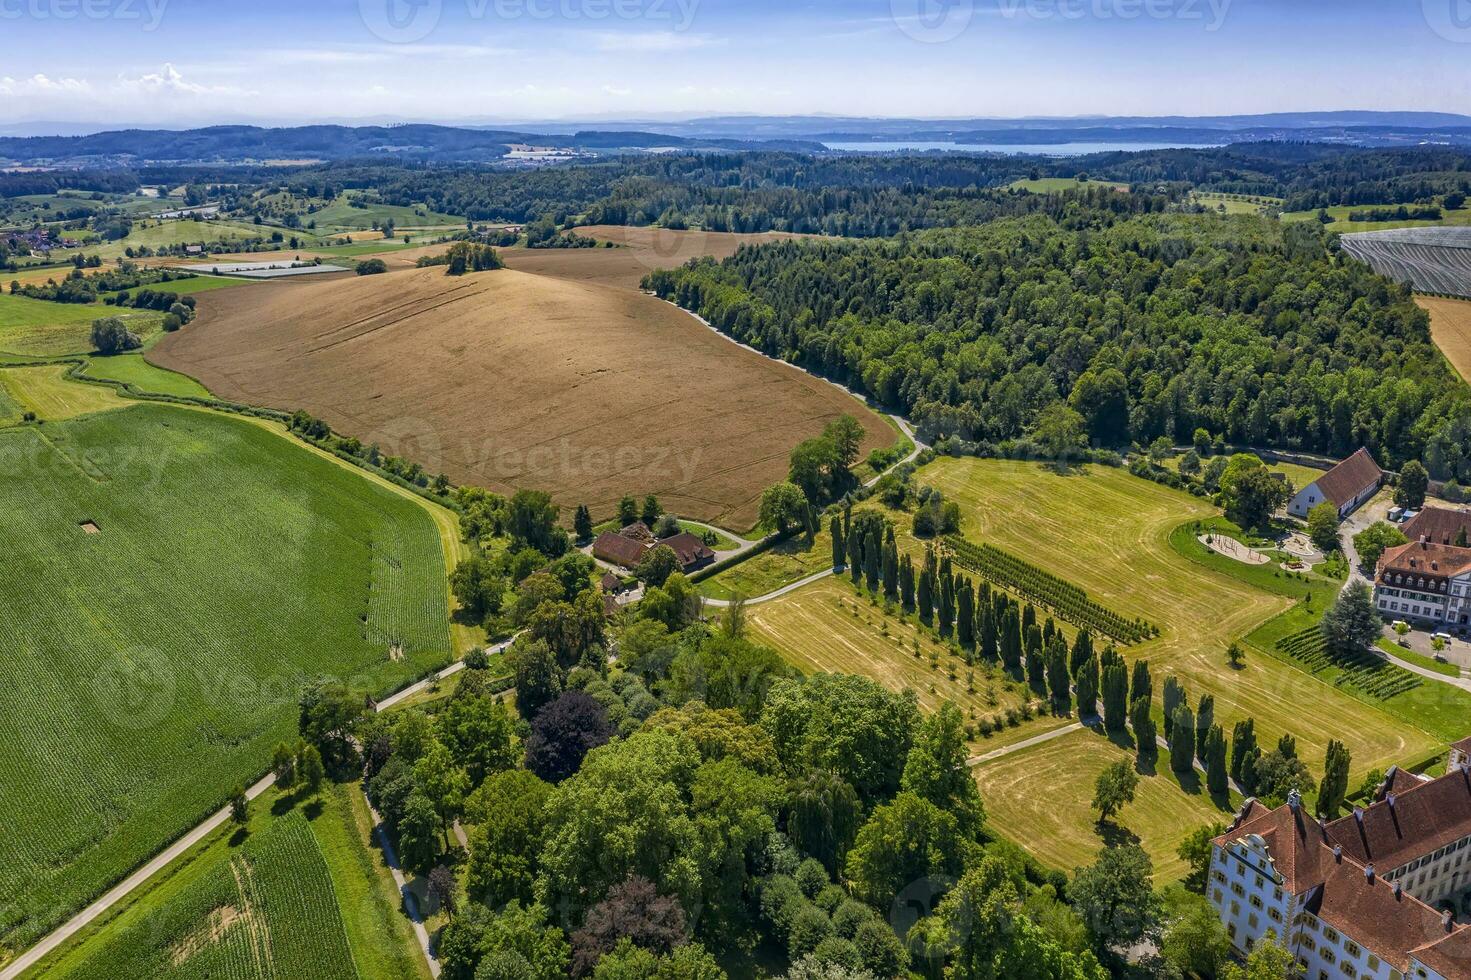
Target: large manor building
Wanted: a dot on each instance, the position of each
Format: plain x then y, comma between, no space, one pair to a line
1370,895
1428,579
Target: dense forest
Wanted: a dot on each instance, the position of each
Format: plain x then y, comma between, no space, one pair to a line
1147,326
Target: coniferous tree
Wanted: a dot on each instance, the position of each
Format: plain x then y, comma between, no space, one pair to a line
1214,758
891,567
1111,655
947,599
1248,778
1087,681
1143,725
1243,743
1174,696
1182,742
873,560
1205,717
840,544
988,630
1115,685
1048,628
906,582
1029,617
965,614
1011,640
1142,685
1082,650
582,523
1036,664
855,554
1335,780
1059,684
925,595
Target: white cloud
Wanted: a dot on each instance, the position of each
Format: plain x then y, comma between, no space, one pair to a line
39,84
620,92
652,41
168,81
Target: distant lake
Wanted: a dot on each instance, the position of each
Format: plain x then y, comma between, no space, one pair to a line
1038,149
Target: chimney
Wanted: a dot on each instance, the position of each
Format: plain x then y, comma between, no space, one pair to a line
1338,853
1398,889
1294,799
1389,798
1446,921
1424,540
1369,873
1359,816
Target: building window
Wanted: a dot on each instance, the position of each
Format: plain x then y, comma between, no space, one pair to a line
1274,915
1329,934
1351,948
1256,902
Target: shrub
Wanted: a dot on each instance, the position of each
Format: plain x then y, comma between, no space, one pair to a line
811,877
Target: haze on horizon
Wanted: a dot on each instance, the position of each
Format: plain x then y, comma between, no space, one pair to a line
189,62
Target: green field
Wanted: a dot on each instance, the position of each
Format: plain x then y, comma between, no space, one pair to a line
162,656
134,370
46,391
197,284
39,328
1060,828
340,215
1235,203
149,927
1054,185
267,911
1342,224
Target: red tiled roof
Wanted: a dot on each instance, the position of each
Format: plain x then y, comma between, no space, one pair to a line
1450,955
1298,845
1438,525
1463,746
1390,925
1349,478
1409,824
689,549
1433,562
618,550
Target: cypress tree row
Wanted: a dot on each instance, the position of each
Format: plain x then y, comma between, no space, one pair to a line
925,595
1335,780
1029,617
1082,650
989,627
1011,641
840,549
1059,683
1205,717
1087,680
1214,758
1243,743
872,559
947,599
1115,697
1143,725
906,583
891,567
1174,697
1142,685
1036,666
855,553
1182,743
965,614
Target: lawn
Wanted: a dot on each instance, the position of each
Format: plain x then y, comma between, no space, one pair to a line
134,370
1054,185
40,328
830,626
164,653
45,391
1341,223
1109,533
266,907
1026,803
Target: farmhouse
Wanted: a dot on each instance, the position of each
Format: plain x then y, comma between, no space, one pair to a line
1346,486
1440,525
693,554
1426,581
1357,896
619,549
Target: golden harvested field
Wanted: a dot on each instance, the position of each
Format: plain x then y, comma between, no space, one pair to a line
829,627
509,380
1026,800
1450,325
639,252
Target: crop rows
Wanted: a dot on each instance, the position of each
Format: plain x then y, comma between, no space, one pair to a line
1437,261
1361,671
268,911
1058,595
162,657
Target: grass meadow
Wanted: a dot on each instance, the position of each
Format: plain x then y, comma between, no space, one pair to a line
134,370
163,647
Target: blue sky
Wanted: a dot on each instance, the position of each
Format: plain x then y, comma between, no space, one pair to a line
184,62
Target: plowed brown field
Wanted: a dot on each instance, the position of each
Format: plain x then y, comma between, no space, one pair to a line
508,379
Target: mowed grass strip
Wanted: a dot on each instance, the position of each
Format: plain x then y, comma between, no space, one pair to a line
1108,532
1041,798
163,655
45,390
134,370
828,627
